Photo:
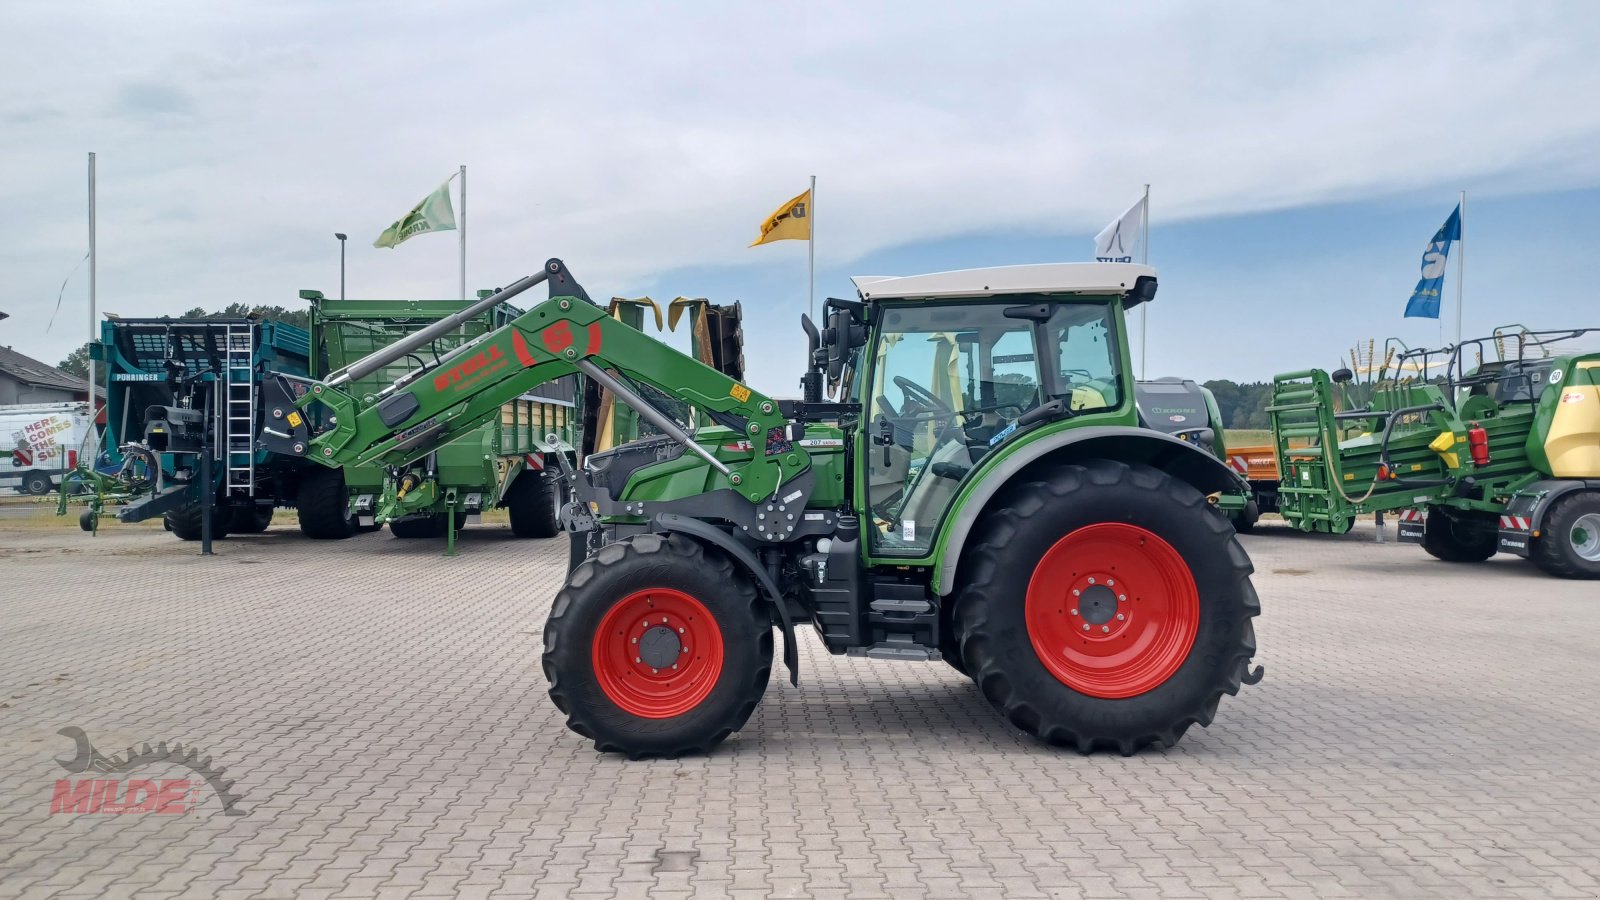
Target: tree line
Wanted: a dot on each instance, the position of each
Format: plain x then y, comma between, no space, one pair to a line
77,362
1242,405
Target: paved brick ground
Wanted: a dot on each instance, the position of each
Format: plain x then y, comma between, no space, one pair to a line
1424,730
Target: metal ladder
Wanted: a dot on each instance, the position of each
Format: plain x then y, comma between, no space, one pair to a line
239,412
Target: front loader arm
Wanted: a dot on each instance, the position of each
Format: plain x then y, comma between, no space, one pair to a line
564,335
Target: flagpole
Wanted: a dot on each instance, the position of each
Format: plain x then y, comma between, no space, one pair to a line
811,252
1144,308
1461,258
462,237
91,286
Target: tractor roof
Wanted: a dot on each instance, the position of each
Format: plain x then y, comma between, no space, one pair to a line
999,281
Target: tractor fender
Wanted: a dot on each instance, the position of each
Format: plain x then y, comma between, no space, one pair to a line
741,555
1175,456
1533,501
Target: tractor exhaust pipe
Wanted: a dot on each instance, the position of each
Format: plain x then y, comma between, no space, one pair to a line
555,271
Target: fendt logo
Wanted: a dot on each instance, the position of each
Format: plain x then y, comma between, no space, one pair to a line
477,363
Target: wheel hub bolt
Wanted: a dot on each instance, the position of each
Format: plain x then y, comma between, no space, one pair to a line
637,660
1122,598
1105,629
1120,617
680,631
655,671
1086,628
1091,581
1076,592
1074,612
636,640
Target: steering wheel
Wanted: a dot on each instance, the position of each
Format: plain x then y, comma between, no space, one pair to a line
923,397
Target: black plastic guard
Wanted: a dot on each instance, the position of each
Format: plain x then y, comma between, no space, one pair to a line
711,534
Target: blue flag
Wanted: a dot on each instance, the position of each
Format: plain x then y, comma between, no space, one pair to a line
1424,303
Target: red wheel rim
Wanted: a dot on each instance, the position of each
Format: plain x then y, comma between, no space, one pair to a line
1112,610
658,653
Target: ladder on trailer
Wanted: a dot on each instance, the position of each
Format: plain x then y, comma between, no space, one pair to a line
239,408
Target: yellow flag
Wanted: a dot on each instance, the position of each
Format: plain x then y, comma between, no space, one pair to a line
792,222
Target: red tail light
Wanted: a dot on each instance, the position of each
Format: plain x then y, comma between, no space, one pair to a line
1383,472
1478,444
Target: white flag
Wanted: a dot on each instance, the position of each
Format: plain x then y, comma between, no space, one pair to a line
434,213
1119,241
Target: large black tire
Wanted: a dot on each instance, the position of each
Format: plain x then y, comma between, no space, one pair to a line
184,522
1460,537
36,483
1568,545
323,505
1027,529
652,572
418,527
532,502
252,519
86,520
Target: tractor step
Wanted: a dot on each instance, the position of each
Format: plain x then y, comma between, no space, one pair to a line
899,647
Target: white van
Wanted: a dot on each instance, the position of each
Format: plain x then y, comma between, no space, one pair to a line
39,442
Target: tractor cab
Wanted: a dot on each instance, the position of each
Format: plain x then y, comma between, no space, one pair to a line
954,364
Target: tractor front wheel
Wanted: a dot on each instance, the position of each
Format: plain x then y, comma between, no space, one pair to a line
1569,543
1458,537
1107,607
657,647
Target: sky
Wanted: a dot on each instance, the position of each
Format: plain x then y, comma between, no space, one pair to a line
1300,158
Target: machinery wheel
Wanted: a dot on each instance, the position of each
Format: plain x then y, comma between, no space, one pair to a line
418,527
36,483
252,519
185,522
1248,517
324,505
86,520
1107,607
1454,537
1569,545
656,647
534,502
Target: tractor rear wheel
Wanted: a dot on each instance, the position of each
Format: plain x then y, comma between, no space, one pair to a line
1459,537
533,503
323,505
1569,543
1106,608
657,647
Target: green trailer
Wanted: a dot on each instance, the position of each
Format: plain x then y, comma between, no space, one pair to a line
1486,446
506,462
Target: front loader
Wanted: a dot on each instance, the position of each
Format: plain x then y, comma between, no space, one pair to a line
977,492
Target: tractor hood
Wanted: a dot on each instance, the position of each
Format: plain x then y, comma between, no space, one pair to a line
658,468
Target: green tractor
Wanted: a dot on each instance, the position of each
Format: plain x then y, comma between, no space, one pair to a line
977,491
1489,445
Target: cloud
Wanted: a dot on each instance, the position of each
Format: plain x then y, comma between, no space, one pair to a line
636,139
152,101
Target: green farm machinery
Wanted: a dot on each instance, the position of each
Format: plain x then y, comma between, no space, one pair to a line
182,411
505,461
1486,446
1188,410
977,491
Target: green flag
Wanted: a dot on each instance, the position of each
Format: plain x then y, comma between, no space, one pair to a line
434,213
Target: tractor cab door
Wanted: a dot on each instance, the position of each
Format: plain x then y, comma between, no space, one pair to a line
947,380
